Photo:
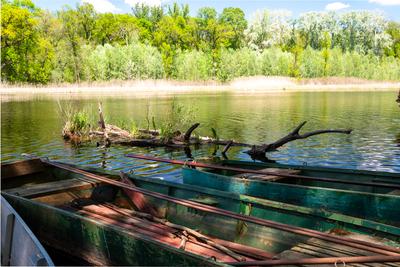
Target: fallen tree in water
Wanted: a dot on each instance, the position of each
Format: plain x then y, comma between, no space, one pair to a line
259,150
107,134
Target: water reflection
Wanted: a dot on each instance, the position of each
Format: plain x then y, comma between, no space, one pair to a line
34,126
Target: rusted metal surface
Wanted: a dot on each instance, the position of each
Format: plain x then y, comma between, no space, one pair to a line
311,261
240,170
380,249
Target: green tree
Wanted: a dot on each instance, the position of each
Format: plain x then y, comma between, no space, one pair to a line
25,55
173,34
326,46
235,18
86,16
71,44
213,35
393,30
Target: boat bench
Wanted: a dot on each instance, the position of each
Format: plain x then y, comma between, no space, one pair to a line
267,177
36,190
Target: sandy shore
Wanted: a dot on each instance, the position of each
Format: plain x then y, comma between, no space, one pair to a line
258,84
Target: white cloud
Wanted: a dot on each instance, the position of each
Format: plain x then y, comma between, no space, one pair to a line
102,6
132,3
335,6
386,2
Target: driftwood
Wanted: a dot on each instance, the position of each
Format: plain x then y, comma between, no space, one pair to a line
260,150
111,134
116,135
102,126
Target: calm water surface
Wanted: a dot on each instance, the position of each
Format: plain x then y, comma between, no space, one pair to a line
34,126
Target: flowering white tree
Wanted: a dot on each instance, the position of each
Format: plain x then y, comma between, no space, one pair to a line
364,31
314,25
361,31
268,28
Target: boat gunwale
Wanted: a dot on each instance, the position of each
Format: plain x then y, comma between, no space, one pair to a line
290,185
312,168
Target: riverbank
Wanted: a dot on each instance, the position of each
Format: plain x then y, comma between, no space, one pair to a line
257,84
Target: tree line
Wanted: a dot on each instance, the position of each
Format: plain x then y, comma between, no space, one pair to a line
80,44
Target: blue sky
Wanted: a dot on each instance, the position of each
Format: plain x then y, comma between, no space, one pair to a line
391,8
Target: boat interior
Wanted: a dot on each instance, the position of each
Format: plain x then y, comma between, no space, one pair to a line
211,235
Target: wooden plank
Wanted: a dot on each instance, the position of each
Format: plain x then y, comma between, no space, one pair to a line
322,249
50,188
20,168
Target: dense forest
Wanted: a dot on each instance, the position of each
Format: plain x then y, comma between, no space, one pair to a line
79,44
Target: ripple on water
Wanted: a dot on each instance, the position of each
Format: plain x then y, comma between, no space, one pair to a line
373,145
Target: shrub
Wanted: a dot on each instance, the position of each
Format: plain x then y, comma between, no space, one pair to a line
237,63
134,61
193,66
275,62
311,64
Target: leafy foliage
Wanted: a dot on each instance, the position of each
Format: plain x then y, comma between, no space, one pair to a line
80,44
25,55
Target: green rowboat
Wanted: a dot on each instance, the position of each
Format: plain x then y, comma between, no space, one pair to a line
335,173
72,210
379,207
302,186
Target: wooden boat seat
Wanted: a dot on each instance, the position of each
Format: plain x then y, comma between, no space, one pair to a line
267,177
50,187
314,247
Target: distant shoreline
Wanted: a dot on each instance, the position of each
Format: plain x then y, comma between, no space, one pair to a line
256,84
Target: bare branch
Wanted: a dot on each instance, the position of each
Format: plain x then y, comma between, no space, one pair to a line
294,135
188,133
228,145
298,128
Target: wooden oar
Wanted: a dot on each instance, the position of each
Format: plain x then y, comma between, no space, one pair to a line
376,248
240,170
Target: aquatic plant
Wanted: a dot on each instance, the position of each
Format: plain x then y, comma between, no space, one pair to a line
78,124
179,118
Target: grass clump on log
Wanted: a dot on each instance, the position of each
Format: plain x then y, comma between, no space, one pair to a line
76,124
179,118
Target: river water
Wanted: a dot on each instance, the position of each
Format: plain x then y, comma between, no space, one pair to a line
33,125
